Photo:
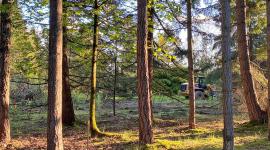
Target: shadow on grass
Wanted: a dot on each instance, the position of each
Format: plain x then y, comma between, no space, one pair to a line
257,144
250,127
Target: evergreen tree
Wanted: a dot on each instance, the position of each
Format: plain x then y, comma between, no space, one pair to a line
54,131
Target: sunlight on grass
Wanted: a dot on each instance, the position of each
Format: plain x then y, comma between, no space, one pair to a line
170,128
129,136
210,142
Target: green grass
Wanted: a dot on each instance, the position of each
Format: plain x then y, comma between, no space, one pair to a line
170,127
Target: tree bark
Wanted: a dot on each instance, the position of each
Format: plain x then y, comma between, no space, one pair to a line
268,61
93,124
143,91
150,50
54,131
255,112
5,72
67,108
190,68
228,132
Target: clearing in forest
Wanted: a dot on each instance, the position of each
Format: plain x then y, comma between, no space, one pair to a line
170,128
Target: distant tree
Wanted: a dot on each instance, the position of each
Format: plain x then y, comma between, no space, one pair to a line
190,68
115,84
150,49
268,59
254,110
93,124
143,91
228,136
54,133
67,108
5,34
256,26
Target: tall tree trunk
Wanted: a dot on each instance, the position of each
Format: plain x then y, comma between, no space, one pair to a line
268,60
190,68
143,91
228,136
54,133
255,112
93,124
150,39
67,108
5,72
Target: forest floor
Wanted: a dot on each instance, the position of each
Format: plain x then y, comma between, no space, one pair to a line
28,124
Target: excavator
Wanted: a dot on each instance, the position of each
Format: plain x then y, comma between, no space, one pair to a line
202,90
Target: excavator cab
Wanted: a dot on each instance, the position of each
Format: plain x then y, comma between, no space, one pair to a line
200,81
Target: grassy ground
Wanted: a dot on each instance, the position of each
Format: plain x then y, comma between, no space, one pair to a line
170,129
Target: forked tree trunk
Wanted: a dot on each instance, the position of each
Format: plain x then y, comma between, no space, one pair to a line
93,124
228,136
143,91
255,112
268,60
252,55
150,50
54,132
250,48
67,108
5,42
190,68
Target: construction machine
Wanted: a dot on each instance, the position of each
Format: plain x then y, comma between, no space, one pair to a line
202,90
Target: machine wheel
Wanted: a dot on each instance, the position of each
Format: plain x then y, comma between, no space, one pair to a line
199,95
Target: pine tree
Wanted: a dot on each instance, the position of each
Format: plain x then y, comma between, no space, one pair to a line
67,108
190,68
5,34
54,133
143,91
228,136
255,112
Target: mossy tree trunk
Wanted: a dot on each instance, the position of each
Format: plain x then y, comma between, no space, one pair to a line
5,71
93,124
